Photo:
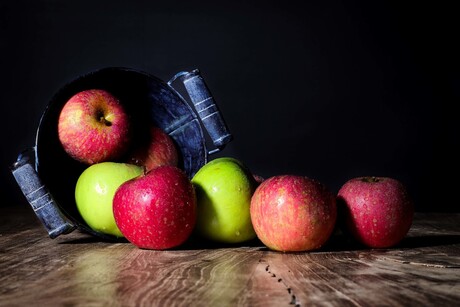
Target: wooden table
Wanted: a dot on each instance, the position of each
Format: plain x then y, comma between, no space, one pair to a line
78,269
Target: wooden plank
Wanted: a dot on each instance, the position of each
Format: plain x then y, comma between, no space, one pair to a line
78,269
361,279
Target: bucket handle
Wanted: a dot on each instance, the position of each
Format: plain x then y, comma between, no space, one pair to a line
205,107
38,196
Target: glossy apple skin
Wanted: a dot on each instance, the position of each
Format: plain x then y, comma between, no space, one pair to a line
94,193
157,210
376,211
159,149
224,189
293,213
93,127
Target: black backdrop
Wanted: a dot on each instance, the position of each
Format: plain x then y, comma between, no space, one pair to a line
330,90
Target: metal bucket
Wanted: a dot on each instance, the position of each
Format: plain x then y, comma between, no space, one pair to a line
47,175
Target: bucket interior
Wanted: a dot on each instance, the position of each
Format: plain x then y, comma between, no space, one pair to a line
148,101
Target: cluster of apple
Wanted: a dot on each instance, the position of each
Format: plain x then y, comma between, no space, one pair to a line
297,213
154,205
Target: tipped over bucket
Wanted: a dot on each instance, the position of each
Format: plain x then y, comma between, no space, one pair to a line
47,175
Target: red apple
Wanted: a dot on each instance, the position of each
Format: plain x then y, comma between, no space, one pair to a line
156,210
376,211
293,213
93,127
158,150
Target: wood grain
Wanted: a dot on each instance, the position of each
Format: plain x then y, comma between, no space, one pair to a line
80,270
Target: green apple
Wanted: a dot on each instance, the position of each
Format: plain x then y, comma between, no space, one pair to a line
224,188
94,193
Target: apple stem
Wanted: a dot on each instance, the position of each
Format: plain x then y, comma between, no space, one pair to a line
371,179
103,120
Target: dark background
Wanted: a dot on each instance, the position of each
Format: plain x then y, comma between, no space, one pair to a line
330,90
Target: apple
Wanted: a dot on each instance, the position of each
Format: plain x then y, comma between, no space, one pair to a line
93,127
158,150
376,211
293,213
94,193
224,188
156,210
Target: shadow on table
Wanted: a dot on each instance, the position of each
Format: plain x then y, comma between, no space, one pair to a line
193,243
341,242
89,239
429,241
337,243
